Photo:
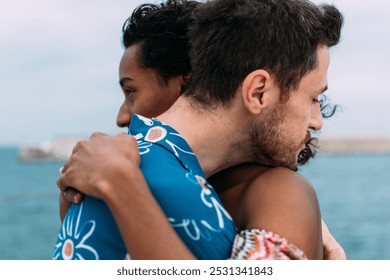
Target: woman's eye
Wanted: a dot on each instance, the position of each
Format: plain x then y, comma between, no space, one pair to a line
129,90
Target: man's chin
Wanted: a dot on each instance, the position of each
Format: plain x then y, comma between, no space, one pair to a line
293,166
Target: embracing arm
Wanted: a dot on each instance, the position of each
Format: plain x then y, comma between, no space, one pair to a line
106,167
332,249
66,197
143,225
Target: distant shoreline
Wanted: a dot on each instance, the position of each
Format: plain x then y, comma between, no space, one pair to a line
60,149
354,145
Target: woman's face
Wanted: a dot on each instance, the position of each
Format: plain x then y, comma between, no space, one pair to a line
144,92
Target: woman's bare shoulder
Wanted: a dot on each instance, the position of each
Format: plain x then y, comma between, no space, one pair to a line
282,201
281,184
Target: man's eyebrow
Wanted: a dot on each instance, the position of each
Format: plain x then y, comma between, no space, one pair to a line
123,80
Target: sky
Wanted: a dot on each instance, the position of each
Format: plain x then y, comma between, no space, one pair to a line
59,69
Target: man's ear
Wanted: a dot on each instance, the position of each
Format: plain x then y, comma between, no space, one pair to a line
256,91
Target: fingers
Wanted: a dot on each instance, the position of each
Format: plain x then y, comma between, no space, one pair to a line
66,198
73,195
61,183
128,138
75,148
65,167
122,134
78,197
67,192
81,143
70,193
97,135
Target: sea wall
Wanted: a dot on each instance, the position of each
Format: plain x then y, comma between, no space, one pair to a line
60,149
354,145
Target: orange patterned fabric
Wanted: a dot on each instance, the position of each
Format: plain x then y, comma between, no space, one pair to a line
258,244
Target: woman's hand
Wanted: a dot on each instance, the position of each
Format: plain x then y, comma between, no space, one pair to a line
96,164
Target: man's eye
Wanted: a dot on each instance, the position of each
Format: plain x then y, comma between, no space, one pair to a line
319,99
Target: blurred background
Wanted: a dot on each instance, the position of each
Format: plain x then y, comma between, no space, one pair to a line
59,82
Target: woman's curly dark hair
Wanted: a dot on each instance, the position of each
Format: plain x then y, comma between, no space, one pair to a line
311,147
161,31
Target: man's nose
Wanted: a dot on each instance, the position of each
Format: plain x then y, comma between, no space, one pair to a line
316,120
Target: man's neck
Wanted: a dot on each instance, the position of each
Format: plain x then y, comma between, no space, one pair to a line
209,134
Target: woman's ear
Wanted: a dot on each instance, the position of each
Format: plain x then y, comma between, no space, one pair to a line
178,83
182,81
257,91
186,78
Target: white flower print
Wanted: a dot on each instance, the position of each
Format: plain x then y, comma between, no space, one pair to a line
72,239
155,134
201,229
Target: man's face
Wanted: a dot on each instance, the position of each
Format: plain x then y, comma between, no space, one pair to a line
278,138
144,92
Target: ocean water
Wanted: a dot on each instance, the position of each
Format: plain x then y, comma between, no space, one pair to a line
354,195
29,219
353,190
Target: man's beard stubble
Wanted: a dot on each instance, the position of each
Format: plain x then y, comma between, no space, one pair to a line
270,146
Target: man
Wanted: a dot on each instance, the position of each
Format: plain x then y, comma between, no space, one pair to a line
258,68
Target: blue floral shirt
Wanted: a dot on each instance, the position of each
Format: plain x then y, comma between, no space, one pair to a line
177,182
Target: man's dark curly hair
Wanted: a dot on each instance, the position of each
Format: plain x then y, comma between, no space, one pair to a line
161,31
